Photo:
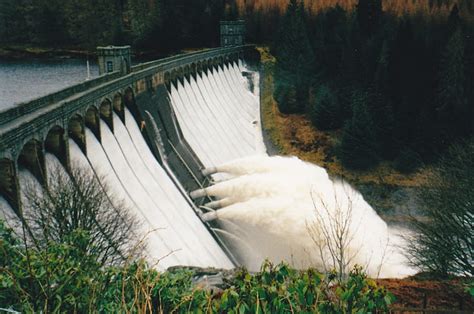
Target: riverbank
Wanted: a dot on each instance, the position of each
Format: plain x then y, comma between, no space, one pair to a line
391,193
19,52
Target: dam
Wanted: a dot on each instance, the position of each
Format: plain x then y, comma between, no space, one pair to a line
139,128
179,140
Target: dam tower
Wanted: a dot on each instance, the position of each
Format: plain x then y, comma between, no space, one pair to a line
232,33
114,58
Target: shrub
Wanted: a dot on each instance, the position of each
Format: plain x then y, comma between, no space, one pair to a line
63,279
443,240
79,201
285,96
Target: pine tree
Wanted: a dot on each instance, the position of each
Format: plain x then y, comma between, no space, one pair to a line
381,80
358,147
294,58
325,111
369,13
452,104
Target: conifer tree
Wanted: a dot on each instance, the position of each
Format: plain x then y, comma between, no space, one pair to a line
325,111
451,89
369,13
358,147
294,59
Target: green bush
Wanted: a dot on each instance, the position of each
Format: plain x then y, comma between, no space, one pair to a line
63,279
442,242
58,278
325,111
285,96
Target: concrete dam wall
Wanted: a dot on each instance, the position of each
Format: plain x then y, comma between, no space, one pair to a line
149,138
179,141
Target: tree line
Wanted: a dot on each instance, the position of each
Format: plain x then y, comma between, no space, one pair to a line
169,25
399,88
162,25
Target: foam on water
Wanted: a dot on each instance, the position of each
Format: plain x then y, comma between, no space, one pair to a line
285,209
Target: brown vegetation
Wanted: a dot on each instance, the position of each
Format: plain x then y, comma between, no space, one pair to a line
432,294
397,7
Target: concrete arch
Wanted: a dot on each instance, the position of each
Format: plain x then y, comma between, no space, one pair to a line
167,79
106,113
194,70
129,98
32,158
92,121
187,72
118,106
199,68
9,188
77,132
174,76
210,66
56,144
181,74
130,103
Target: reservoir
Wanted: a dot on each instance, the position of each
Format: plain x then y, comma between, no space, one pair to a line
24,80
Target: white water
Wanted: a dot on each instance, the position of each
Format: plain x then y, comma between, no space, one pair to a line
279,208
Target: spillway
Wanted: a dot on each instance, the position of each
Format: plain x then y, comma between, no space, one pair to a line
219,116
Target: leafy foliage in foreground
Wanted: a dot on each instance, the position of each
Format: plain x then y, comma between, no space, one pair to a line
63,279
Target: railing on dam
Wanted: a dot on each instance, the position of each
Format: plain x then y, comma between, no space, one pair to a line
25,108
171,62
137,72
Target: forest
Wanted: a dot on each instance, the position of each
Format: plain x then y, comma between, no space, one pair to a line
169,25
396,76
399,87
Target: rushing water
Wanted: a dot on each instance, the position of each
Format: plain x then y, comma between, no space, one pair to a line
24,80
282,208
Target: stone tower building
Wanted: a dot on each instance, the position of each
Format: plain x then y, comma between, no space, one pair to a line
232,33
113,58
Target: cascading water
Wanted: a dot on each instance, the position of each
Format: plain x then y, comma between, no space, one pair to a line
282,208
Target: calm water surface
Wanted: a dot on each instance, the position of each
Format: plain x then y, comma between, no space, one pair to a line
24,80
